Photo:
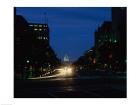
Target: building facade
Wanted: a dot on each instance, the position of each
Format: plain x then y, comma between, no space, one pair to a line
42,31
33,55
24,41
105,34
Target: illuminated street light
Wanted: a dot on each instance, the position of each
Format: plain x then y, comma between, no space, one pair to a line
27,61
69,71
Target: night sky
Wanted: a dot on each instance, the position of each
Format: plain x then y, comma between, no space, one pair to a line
71,29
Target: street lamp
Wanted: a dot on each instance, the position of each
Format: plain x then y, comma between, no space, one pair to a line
27,61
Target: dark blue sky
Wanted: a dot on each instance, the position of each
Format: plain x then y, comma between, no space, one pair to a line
71,29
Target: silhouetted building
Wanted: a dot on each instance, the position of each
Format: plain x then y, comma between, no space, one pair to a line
109,53
119,25
41,47
42,31
88,60
23,44
106,44
110,42
33,56
105,34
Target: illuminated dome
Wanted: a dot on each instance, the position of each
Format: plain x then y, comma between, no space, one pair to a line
66,58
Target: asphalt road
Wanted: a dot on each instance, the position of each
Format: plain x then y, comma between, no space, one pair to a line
100,87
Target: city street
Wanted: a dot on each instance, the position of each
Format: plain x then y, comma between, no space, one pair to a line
71,87
80,53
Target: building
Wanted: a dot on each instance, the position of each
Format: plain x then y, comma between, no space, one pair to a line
113,31
110,42
42,31
107,47
119,23
88,60
105,34
33,56
45,58
41,47
109,53
24,41
119,26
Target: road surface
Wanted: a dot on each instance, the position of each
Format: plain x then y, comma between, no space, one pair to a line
71,87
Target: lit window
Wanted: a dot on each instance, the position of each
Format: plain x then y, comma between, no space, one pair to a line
90,50
27,61
115,41
40,25
94,61
35,25
44,38
35,29
31,25
40,37
40,29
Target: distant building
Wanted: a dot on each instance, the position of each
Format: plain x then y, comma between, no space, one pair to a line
110,42
66,58
88,60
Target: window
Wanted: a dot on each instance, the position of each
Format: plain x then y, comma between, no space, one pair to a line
115,41
35,25
31,25
40,29
35,29
40,25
